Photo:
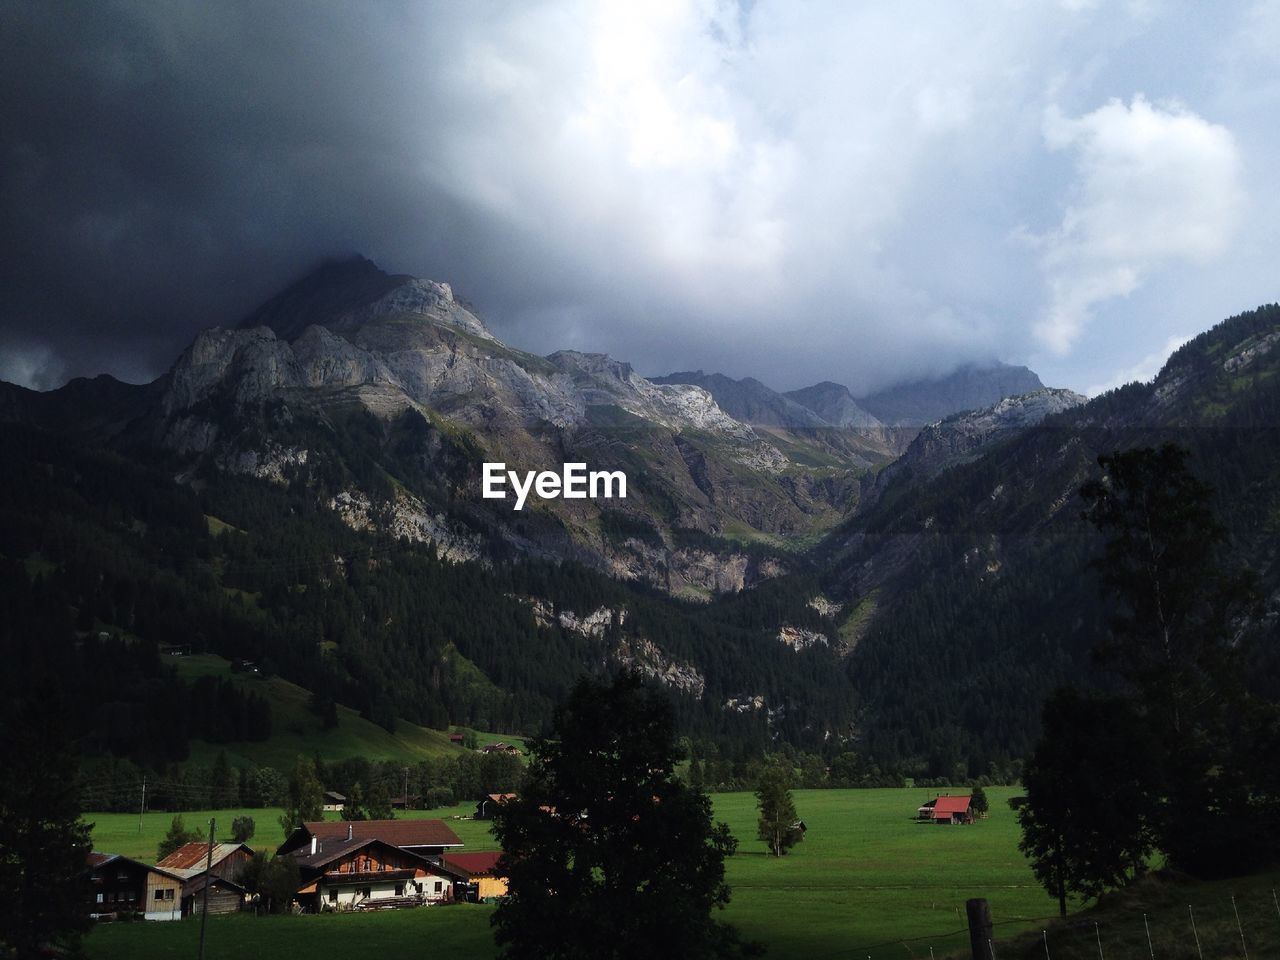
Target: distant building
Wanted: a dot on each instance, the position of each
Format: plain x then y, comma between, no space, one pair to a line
946,810
119,885
429,839
333,802
501,747
191,862
476,875
485,808
457,738
351,873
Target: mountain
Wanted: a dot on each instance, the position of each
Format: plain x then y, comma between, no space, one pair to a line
970,387
842,431
276,396
834,404
750,401
962,437
965,578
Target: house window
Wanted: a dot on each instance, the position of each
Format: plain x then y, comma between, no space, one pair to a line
101,898
168,894
333,894
399,889
439,886
159,894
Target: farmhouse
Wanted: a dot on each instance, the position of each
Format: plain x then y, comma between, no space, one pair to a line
484,809
476,871
501,747
189,862
424,838
333,802
366,874
118,885
946,810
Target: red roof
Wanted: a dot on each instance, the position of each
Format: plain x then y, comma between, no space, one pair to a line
475,864
946,806
398,833
195,855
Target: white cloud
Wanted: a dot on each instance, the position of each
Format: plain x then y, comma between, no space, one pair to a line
1142,371
1156,186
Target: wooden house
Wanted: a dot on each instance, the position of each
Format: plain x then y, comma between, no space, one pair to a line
333,802
477,873
947,810
366,874
120,885
425,838
191,862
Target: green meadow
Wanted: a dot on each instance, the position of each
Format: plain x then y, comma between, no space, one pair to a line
867,877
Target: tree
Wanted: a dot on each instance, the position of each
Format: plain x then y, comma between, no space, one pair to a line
1085,822
379,806
353,808
43,842
274,880
978,801
177,836
1178,606
779,823
305,800
242,829
606,847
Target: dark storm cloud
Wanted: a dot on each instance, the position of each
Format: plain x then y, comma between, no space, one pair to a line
795,192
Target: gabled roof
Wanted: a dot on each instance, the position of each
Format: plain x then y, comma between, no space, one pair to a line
398,833
95,861
190,858
950,805
334,850
472,864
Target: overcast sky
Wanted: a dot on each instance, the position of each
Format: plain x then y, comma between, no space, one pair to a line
796,191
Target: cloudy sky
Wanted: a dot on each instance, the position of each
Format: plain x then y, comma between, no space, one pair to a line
795,191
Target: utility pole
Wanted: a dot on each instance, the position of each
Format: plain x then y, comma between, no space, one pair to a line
204,906
406,788
142,809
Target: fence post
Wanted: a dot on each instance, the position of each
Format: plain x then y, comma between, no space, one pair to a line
979,913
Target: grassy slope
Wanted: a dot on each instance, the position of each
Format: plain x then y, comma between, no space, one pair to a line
295,730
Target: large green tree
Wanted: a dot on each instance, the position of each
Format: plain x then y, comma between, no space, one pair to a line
305,800
1086,821
1179,607
779,824
43,842
608,852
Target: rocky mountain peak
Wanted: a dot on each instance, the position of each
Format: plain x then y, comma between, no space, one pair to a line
348,295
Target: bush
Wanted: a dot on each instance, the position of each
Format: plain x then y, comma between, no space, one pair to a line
242,829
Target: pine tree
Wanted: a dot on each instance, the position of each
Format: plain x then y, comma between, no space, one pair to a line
43,842
177,836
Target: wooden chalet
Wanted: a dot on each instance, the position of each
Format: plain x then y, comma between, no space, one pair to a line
430,839
190,860
477,876
484,809
946,810
501,747
333,802
366,874
119,886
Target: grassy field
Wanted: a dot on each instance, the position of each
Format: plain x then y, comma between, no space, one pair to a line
296,730
120,833
867,877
